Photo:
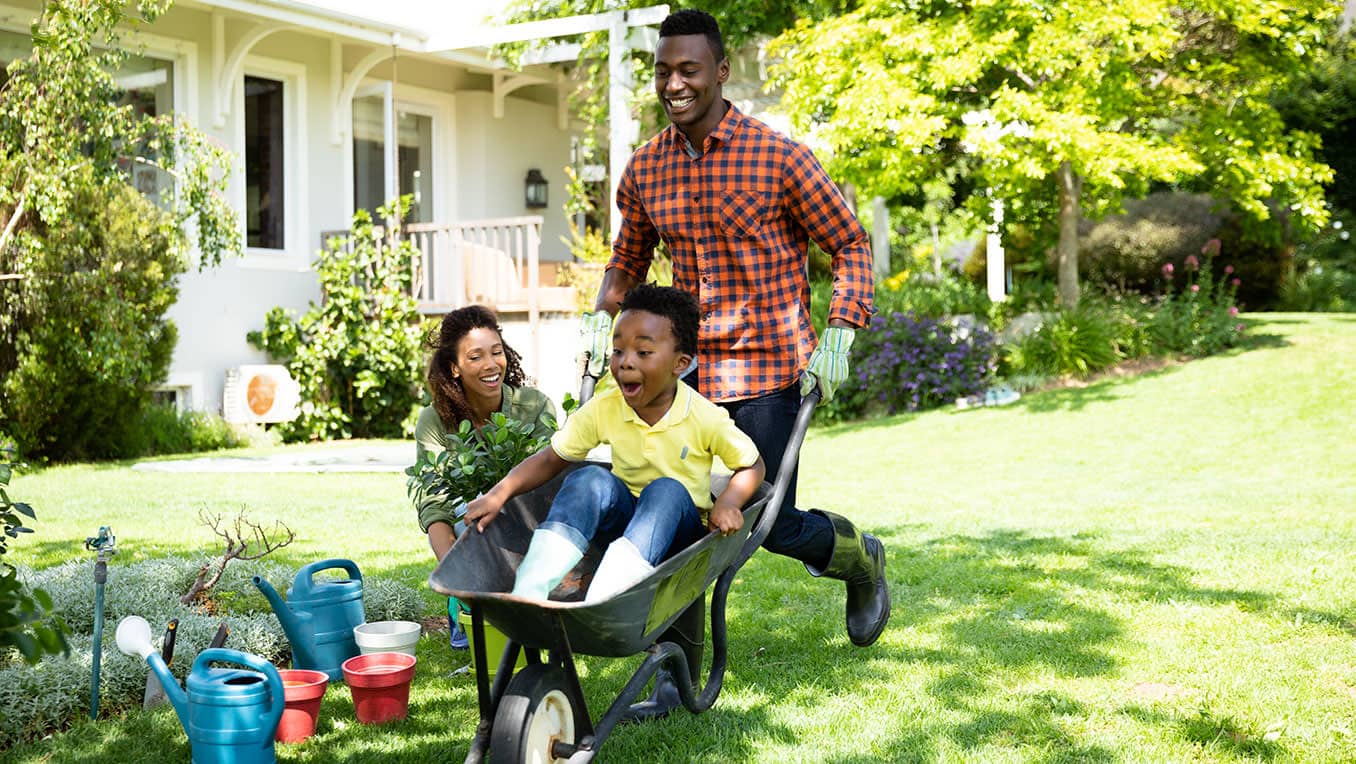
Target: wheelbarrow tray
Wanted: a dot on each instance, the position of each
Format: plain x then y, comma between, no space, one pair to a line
480,568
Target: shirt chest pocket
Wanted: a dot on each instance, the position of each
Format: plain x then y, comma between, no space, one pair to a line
741,214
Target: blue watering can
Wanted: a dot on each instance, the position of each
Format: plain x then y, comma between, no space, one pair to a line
319,616
230,714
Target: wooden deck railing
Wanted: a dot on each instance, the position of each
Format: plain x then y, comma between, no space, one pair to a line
489,262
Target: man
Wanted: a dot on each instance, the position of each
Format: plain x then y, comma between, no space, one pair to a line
737,203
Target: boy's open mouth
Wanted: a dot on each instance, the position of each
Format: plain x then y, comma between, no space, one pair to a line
629,388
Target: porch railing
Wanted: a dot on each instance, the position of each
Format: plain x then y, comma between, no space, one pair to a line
490,262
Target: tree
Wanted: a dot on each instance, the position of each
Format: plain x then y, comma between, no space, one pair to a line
59,112
742,21
87,266
1079,102
358,354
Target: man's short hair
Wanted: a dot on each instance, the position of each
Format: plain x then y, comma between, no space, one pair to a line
691,21
679,307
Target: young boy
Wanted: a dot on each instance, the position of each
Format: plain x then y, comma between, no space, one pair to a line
657,498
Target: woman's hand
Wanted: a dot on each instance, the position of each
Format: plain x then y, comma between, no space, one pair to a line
482,510
725,518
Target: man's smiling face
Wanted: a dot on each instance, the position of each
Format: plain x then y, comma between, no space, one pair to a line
688,79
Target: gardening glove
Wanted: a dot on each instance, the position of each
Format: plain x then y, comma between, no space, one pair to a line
829,363
595,341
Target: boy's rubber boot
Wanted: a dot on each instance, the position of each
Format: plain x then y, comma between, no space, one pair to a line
859,560
549,557
689,633
621,567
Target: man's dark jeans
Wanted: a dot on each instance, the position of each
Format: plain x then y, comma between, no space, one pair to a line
768,420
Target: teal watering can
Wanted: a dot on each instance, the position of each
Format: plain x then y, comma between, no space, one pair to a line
319,616
231,715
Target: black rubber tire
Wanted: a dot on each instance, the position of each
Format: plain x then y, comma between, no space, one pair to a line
535,695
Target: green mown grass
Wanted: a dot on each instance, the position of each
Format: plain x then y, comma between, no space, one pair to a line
1155,569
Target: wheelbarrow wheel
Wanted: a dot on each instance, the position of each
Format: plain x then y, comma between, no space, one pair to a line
534,713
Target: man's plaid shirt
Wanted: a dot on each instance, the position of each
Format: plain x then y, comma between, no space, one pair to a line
737,220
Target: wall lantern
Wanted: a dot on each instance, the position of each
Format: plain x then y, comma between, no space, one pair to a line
536,189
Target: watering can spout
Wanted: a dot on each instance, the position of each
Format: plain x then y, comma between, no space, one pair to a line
177,697
134,638
296,625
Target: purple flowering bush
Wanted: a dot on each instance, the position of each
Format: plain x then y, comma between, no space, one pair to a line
902,362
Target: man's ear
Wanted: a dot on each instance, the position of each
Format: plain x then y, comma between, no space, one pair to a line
723,70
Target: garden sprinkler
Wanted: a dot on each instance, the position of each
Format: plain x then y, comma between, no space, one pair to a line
103,547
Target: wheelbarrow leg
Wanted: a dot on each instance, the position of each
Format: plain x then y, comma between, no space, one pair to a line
689,633
489,695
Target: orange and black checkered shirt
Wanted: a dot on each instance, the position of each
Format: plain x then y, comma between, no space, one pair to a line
737,220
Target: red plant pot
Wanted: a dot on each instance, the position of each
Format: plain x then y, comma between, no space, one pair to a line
381,685
302,692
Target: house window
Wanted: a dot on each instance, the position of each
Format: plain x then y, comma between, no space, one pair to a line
264,163
148,87
374,180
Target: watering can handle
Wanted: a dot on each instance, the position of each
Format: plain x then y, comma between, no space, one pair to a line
307,573
275,683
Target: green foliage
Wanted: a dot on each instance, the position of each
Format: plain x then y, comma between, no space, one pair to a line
1199,318
900,95
1324,273
358,354
474,460
166,430
28,622
60,125
1077,343
85,333
1322,101
1126,251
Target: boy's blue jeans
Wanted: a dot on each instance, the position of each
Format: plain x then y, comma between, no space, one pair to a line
593,504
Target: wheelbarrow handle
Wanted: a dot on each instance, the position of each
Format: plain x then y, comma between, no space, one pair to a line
783,484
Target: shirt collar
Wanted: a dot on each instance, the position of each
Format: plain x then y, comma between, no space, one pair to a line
722,132
678,410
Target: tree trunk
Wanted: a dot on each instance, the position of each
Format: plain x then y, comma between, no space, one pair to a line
1067,252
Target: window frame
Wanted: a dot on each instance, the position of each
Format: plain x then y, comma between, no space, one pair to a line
294,254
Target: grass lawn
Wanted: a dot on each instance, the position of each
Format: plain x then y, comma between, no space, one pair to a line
1156,569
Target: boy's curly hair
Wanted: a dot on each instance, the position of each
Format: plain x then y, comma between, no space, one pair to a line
679,307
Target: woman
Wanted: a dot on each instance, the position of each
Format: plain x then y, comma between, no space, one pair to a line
473,374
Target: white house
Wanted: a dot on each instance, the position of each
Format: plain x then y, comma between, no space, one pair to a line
330,106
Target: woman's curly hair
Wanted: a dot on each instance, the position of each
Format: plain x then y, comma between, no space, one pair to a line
449,399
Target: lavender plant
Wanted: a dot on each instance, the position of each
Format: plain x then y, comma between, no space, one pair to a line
902,362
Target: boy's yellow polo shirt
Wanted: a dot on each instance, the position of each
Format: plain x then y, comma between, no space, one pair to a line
680,445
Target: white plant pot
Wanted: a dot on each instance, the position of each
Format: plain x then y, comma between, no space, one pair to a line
387,637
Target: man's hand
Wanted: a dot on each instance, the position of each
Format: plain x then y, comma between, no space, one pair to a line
725,519
482,510
828,363
595,341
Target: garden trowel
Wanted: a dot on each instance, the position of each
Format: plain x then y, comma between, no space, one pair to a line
155,693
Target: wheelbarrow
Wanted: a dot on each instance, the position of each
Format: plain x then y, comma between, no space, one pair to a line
539,713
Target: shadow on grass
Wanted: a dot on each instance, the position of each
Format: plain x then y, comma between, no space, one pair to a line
1211,732
986,608
1002,604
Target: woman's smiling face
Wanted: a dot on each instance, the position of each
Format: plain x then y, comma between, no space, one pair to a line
481,363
